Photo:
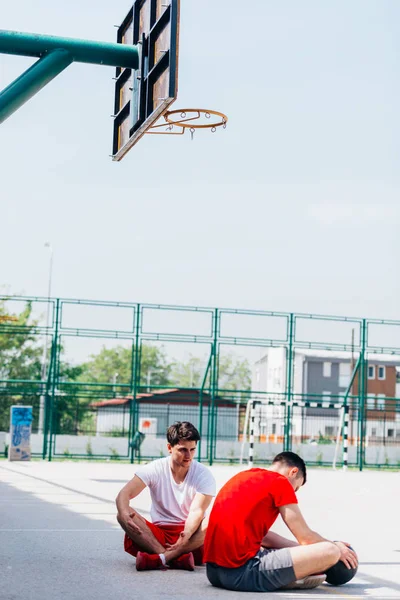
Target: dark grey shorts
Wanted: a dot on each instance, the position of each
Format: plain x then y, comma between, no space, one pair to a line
269,570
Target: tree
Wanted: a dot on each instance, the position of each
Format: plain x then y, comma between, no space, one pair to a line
103,367
234,372
20,353
189,374
20,358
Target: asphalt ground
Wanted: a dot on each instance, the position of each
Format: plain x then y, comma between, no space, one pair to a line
59,537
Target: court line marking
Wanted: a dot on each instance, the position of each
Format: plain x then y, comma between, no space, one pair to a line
69,489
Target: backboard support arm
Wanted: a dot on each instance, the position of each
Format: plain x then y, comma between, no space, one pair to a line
55,54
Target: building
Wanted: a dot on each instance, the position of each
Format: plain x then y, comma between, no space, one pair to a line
158,409
320,381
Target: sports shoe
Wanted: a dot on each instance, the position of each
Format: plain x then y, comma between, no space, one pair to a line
185,562
307,583
147,562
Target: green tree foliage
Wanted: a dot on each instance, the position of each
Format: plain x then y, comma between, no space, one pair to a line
102,367
234,372
20,353
20,358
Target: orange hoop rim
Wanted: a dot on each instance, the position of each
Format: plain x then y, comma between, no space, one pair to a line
187,123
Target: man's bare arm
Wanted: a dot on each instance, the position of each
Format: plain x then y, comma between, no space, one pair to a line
294,520
274,540
126,513
196,514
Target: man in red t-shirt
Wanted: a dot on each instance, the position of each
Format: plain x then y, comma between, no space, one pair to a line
240,551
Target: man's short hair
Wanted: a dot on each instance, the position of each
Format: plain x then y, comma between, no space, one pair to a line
182,431
292,460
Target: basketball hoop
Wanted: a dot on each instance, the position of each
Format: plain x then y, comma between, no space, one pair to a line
192,119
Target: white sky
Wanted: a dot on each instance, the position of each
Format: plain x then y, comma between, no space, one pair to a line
295,206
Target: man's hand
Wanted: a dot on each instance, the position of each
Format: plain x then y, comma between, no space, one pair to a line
180,542
347,555
127,520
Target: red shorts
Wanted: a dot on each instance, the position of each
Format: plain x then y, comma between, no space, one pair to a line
165,534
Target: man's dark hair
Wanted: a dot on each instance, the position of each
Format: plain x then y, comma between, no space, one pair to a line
292,460
182,431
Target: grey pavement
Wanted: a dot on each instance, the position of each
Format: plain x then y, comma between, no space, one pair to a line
59,537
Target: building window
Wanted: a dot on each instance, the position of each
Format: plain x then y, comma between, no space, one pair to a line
390,433
373,432
273,428
329,431
371,401
381,401
381,373
327,369
371,372
344,374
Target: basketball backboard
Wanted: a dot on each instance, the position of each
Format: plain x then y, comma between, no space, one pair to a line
143,96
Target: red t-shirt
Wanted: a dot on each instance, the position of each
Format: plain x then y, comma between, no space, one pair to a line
243,512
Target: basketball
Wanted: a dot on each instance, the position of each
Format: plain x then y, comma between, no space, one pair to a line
339,574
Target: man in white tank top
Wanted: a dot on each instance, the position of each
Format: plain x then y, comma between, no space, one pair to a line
181,491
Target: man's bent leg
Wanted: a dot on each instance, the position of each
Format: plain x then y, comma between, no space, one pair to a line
268,571
314,558
145,541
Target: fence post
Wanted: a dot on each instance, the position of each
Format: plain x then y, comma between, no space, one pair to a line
135,384
362,391
47,403
203,383
214,388
287,442
54,380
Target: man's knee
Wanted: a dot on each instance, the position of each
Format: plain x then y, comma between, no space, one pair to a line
331,551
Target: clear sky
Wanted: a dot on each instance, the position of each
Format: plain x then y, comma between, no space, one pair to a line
295,206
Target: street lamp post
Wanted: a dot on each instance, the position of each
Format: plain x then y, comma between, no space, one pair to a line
45,347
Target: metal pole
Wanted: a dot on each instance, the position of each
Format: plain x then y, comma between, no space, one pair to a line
251,447
32,81
362,392
214,386
44,357
136,383
54,380
287,443
345,437
203,383
86,51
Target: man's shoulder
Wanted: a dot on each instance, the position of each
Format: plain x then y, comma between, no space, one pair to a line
200,468
200,471
157,467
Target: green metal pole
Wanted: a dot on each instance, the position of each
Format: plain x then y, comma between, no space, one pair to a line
47,407
87,51
32,81
347,392
362,392
214,386
136,381
201,406
54,378
288,437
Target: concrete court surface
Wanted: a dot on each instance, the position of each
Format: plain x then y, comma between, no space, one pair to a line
59,537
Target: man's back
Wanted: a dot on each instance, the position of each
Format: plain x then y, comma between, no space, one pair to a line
243,512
